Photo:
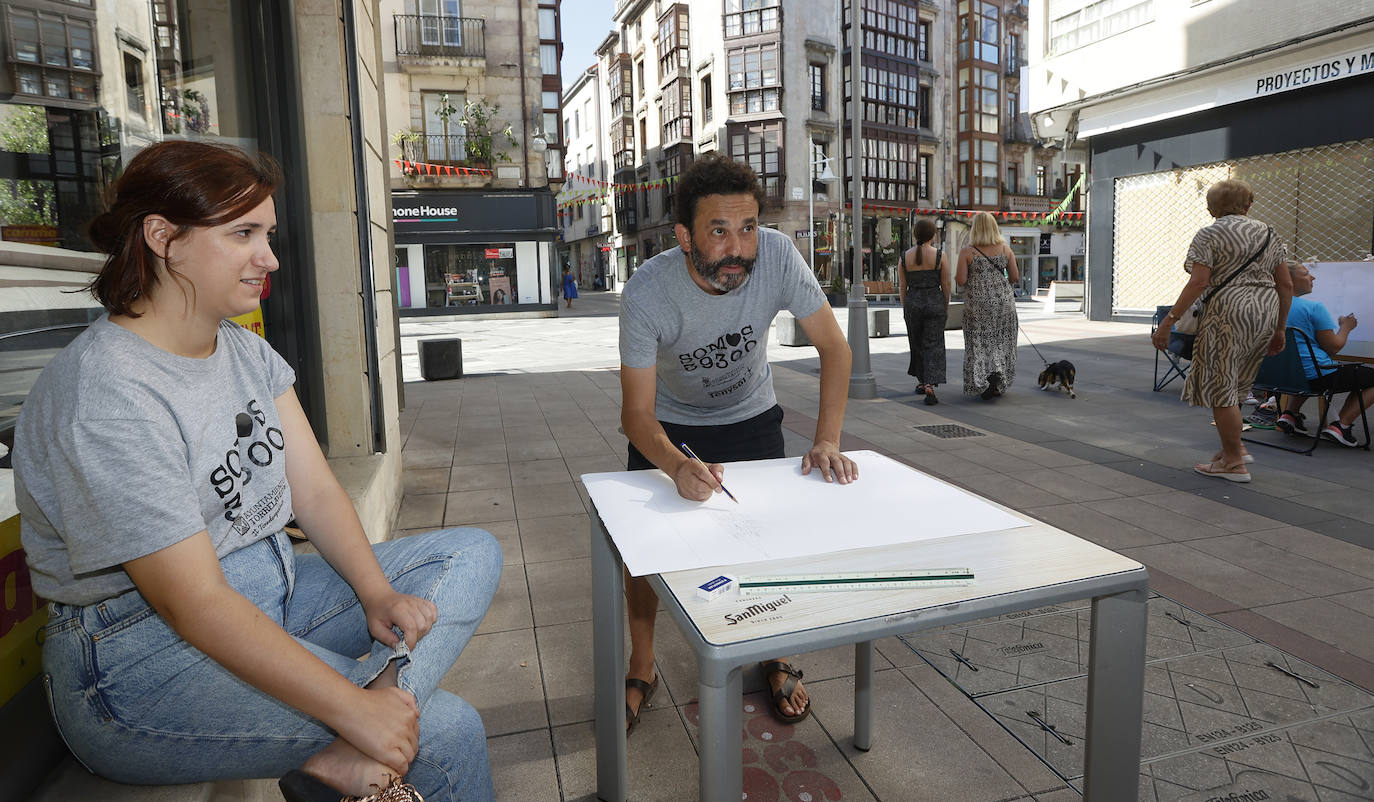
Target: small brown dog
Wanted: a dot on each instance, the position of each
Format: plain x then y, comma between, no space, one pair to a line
1059,373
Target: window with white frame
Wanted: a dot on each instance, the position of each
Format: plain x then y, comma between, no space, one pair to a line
440,23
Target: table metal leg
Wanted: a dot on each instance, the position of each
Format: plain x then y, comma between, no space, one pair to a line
608,649
721,777
863,695
1116,690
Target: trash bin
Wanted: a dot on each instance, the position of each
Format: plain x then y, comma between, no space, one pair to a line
441,359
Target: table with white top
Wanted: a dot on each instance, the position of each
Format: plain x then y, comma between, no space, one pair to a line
1018,567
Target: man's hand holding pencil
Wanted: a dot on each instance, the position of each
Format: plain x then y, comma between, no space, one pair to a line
696,480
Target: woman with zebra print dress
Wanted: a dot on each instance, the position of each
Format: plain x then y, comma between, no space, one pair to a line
1243,323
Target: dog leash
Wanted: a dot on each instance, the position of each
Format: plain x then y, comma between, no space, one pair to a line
1032,345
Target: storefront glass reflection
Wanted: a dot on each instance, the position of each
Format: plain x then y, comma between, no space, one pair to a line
89,85
95,82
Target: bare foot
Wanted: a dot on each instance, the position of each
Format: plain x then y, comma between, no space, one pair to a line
794,704
347,770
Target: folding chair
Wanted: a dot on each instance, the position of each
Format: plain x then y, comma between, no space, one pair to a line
1177,367
1283,373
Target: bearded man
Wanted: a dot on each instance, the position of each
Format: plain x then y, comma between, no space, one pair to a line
694,324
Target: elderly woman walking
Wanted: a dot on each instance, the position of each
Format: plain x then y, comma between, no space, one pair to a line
1239,263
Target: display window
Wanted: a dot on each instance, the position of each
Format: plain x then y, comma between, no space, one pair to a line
470,275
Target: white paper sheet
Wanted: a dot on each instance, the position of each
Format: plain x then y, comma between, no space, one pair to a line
1345,288
781,513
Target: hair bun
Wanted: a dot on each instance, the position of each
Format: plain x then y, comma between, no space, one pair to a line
106,232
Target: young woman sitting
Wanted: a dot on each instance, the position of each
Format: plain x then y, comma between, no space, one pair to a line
157,459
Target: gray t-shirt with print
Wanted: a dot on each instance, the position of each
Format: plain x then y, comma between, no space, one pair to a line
711,351
123,449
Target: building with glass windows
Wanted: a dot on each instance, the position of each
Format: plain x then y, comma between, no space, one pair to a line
476,153
944,127
1171,97
84,85
584,216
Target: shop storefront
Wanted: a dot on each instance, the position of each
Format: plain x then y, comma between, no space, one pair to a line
88,86
475,252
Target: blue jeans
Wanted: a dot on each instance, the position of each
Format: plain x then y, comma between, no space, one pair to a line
137,704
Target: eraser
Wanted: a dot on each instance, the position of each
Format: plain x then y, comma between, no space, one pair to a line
715,587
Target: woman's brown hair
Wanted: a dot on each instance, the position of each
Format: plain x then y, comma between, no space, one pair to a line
192,184
925,232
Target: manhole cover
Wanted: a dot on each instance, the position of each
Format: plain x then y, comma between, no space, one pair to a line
948,430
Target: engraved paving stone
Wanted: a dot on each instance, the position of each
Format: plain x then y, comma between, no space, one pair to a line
1325,761
1051,643
1192,703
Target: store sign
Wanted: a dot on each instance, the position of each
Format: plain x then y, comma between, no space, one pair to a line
33,235
1318,72
424,214
805,234
500,253
1232,85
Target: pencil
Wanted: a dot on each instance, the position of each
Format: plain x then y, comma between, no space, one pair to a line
698,459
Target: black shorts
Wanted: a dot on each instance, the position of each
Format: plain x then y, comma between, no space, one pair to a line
759,437
1346,379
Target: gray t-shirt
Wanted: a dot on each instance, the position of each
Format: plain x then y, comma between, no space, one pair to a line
123,449
711,351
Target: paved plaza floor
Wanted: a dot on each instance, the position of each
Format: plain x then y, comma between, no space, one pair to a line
1261,640
1262,591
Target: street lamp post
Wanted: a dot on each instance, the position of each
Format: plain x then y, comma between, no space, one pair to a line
818,159
862,384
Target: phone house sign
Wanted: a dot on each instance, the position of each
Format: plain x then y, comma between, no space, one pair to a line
424,213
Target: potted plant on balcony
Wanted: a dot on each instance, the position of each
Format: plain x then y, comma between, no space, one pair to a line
484,144
408,141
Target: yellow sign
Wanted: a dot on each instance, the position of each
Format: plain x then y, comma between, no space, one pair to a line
22,616
251,321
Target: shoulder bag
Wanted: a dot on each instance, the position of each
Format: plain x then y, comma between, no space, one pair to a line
1192,318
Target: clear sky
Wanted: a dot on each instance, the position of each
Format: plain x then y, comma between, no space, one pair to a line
585,23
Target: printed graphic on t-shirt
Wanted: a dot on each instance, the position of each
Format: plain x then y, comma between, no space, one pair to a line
723,352
259,446
717,363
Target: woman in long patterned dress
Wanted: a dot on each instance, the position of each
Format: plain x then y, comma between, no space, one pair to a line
1243,322
987,270
925,287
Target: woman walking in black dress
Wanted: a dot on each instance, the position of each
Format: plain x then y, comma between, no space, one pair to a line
925,285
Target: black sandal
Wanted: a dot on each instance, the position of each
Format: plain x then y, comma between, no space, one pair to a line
646,689
784,693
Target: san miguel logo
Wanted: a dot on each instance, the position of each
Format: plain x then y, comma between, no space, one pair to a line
755,610
727,349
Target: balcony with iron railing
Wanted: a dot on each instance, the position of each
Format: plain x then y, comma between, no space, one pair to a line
432,36
1018,130
1017,199
435,148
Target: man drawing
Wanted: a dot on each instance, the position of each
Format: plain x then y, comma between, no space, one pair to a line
694,324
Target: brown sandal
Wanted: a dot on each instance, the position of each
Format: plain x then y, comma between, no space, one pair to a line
784,693
646,690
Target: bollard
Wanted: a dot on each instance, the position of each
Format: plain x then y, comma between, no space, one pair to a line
441,359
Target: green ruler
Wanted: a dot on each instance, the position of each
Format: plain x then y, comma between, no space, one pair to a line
866,580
